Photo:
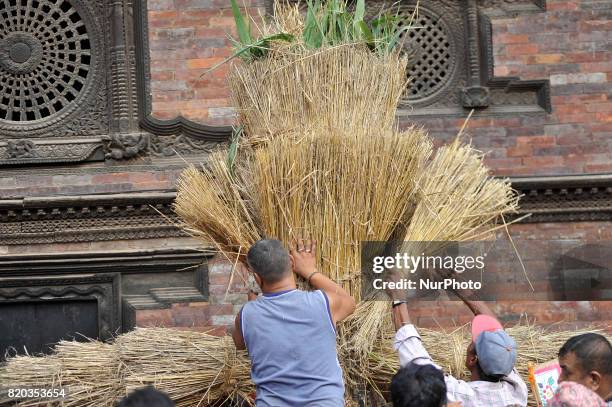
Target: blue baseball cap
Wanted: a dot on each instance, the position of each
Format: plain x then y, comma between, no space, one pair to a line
495,349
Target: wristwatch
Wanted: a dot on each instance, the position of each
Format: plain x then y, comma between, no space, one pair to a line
395,303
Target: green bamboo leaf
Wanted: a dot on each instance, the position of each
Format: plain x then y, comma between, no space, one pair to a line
247,51
365,32
232,151
395,38
311,34
359,12
244,34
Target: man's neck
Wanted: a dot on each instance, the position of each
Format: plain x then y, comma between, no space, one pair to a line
285,284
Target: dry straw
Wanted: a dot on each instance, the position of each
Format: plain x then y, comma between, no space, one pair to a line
191,367
323,158
448,349
89,371
197,369
335,87
213,209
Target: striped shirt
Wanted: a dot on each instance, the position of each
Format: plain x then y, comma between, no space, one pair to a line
511,390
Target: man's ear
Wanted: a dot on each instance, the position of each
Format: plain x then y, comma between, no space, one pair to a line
258,280
594,379
472,359
291,262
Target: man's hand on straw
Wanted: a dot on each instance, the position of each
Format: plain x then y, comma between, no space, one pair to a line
304,257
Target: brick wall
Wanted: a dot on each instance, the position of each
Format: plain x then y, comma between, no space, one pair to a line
186,39
19,184
568,44
227,293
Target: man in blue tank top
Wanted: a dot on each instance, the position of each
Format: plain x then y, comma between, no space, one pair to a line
290,334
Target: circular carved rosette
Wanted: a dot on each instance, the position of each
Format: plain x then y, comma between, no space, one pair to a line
431,51
47,62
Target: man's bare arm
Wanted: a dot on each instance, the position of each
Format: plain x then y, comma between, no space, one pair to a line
303,254
237,333
477,307
400,315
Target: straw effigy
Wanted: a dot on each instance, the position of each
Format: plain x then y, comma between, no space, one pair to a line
321,157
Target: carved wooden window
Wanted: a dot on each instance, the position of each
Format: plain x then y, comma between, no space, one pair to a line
46,57
431,51
450,61
67,88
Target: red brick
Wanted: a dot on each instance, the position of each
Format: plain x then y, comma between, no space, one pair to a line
598,168
219,279
557,6
110,178
540,141
512,38
221,309
521,49
162,76
139,177
545,59
154,318
542,161
603,116
203,62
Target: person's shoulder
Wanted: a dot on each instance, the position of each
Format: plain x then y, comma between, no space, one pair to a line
314,297
460,390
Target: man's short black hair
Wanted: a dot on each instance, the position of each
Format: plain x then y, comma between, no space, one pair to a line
146,397
593,352
269,259
487,377
418,386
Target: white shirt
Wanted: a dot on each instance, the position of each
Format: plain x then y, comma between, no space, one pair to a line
509,391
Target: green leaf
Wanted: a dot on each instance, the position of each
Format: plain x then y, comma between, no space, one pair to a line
232,151
244,34
365,32
359,12
312,35
253,51
395,38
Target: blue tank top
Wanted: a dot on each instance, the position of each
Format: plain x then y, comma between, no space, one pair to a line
291,341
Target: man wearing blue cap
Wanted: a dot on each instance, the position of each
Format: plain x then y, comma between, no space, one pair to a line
490,359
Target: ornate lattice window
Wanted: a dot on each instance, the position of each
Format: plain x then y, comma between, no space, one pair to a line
45,57
67,80
431,51
450,61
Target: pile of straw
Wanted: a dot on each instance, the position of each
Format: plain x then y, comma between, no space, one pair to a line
90,371
197,369
321,157
336,87
193,368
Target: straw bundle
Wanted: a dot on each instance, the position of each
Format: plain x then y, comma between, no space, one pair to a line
335,87
339,189
192,368
197,369
459,200
214,210
89,371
